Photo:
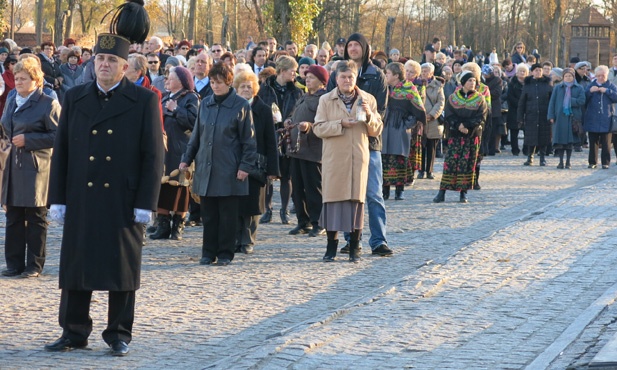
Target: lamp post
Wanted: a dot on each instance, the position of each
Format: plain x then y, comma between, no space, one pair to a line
11,31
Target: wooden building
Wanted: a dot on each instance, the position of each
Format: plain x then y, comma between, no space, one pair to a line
590,36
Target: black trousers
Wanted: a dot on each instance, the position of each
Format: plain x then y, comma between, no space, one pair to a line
76,322
428,154
247,230
26,236
220,219
284,168
597,139
514,141
306,182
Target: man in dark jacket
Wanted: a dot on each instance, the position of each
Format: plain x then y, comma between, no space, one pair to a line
105,180
373,81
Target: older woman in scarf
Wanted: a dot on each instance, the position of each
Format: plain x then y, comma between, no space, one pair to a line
565,112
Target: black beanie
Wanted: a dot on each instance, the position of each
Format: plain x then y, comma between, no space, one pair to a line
359,38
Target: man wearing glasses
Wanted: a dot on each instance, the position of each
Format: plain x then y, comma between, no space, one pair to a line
155,73
216,51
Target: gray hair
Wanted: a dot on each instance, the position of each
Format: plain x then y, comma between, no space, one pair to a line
601,68
345,66
429,66
158,41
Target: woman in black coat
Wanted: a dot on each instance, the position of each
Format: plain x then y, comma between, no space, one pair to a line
30,120
515,89
533,112
224,150
254,204
180,107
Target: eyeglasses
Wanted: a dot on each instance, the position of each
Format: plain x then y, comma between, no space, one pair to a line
13,62
184,48
153,62
217,51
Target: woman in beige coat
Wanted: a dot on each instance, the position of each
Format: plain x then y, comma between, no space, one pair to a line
434,105
345,118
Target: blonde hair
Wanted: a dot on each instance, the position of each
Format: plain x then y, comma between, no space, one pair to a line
245,76
285,63
415,66
474,68
32,68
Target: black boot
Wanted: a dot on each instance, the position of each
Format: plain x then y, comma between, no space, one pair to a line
163,229
266,217
177,227
476,184
386,192
568,155
398,192
152,228
529,160
559,152
441,197
463,198
542,159
354,251
284,217
331,250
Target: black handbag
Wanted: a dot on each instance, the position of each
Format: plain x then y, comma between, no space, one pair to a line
259,171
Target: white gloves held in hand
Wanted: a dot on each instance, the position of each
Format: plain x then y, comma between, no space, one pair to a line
57,213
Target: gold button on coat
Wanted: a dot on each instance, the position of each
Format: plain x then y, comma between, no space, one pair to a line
94,132
90,184
106,185
108,158
110,132
91,158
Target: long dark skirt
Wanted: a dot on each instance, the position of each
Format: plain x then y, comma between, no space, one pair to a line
395,169
414,161
174,198
459,166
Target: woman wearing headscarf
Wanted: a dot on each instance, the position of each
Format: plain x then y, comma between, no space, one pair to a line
405,115
434,105
414,158
305,152
345,126
564,110
465,113
30,120
254,204
533,112
180,106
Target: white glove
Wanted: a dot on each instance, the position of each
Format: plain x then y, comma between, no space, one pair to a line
142,216
57,213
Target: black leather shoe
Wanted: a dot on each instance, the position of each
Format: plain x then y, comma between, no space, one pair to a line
430,176
382,251
224,261
119,348
207,261
63,344
29,274
300,229
247,249
266,217
10,272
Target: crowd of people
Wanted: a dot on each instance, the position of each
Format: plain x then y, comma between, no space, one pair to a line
197,135
453,104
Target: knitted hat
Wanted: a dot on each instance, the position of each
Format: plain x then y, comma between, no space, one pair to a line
580,65
306,60
173,61
25,51
459,62
185,77
394,51
464,76
8,60
566,70
487,70
320,72
535,66
575,60
4,50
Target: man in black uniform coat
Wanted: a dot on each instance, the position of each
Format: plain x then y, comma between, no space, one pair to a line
105,180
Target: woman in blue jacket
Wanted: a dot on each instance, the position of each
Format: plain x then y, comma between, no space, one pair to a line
564,109
600,94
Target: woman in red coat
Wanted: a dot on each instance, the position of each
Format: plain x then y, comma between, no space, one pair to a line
9,80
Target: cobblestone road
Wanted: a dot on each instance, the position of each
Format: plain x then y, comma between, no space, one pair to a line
504,282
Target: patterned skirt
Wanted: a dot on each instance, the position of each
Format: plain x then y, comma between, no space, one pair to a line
414,161
459,165
395,170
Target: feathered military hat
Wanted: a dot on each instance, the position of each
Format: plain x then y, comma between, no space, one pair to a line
130,23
